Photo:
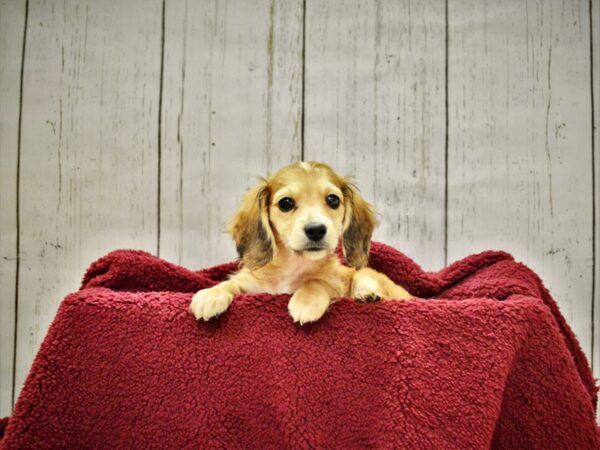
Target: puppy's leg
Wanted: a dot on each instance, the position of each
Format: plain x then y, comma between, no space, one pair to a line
209,303
309,302
369,285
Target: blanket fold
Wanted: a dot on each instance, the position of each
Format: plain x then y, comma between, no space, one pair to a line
483,359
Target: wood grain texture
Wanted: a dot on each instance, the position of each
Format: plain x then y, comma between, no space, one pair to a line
519,159
374,110
89,164
595,43
12,22
231,113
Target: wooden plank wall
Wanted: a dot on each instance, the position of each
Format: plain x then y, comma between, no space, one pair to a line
231,111
141,123
374,109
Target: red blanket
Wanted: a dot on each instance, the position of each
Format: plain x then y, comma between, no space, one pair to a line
484,359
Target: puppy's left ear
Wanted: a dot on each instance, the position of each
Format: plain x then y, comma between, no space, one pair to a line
250,227
359,223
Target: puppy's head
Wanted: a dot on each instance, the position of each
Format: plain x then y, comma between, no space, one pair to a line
306,208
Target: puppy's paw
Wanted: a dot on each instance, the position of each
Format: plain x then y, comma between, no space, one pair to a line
304,309
209,303
369,286
366,289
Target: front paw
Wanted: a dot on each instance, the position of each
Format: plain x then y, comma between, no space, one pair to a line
366,289
209,303
304,309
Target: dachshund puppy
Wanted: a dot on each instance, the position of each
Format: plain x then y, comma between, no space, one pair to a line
286,232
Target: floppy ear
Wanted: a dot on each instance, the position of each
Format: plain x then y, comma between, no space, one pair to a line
250,227
359,223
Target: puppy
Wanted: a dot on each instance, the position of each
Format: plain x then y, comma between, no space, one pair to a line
286,232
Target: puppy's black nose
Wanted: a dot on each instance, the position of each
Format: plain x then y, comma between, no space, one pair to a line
315,231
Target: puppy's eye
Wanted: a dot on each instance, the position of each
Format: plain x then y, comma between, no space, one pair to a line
333,201
286,204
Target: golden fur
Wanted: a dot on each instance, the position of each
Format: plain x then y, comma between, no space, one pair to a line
278,256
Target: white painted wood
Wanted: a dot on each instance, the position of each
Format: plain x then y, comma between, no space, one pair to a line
519,160
595,15
12,21
375,111
89,165
232,103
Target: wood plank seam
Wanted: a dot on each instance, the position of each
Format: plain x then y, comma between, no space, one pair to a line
302,104
592,324
159,148
446,112
18,224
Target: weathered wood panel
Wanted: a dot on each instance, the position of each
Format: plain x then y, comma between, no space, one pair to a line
519,159
89,165
374,110
231,112
595,30
12,23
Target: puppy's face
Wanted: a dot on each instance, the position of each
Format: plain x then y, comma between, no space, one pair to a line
306,208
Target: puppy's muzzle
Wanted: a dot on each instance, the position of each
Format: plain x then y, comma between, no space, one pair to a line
315,231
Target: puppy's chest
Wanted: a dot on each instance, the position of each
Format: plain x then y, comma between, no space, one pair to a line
290,277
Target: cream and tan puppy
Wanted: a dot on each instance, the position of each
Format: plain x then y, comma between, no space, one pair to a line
286,232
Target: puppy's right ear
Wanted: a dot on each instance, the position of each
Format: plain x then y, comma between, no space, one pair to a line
250,227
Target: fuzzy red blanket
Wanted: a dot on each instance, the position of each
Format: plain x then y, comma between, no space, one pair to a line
484,359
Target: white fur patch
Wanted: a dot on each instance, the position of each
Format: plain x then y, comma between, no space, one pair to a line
365,285
289,280
315,256
303,310
211,302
